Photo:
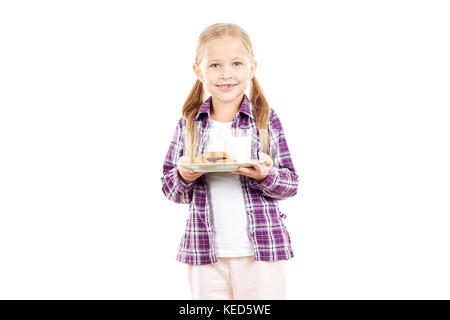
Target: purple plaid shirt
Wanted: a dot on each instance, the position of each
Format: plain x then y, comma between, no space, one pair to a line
266,229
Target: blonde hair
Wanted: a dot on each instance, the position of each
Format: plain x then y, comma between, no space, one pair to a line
197,95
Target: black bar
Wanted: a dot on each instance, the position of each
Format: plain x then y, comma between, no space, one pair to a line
228,309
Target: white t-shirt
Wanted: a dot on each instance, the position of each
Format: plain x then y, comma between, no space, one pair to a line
228,213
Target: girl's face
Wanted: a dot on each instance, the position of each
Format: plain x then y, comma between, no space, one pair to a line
225,61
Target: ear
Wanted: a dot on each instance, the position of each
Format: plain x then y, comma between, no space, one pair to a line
253,69
197,72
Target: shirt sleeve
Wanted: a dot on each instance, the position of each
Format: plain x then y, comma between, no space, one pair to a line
282,181
172,185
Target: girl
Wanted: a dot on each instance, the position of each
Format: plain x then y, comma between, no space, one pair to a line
235,241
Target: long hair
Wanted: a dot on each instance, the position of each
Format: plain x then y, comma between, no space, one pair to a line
197,95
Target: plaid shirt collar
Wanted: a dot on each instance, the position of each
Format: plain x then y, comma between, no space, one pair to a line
246,107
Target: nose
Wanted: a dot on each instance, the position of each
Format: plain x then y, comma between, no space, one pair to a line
225,73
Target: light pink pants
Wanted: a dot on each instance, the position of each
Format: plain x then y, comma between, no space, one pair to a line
238,278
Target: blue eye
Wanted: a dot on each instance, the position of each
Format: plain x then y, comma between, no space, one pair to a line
218,64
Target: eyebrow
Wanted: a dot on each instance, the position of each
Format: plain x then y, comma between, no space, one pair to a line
219,59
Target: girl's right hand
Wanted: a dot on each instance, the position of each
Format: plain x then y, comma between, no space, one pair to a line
187,175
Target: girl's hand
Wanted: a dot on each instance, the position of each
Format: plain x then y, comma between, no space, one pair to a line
258,172
187,175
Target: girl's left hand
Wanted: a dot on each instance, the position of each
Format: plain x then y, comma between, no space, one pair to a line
258,172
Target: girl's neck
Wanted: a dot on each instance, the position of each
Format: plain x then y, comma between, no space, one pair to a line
225,111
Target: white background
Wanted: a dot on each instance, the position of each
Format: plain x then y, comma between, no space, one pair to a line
90,94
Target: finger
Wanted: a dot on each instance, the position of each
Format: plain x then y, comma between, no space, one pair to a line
266,157
258,167
184,159
244,170
185,169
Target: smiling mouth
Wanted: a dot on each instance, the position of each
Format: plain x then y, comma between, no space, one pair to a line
226,86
